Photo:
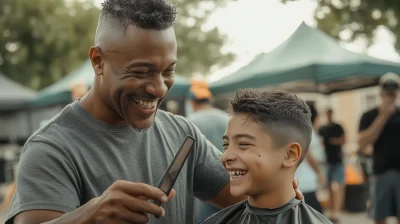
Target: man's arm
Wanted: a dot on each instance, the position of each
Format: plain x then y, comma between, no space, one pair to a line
37,216
337,140
371,134
224,198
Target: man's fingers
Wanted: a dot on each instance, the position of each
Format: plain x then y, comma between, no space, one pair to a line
172,194
295,183
299,194
142,206
140,190
128,216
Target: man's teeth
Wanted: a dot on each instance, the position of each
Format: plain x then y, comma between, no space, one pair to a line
146,104
236,174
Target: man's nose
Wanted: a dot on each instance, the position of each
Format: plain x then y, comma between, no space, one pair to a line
157,87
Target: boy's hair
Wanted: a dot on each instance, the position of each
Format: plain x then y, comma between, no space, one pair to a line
285,117
314,113
116,15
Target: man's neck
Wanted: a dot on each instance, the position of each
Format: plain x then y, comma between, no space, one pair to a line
93,104
277,198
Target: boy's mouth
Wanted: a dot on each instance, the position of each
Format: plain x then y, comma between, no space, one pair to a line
236,174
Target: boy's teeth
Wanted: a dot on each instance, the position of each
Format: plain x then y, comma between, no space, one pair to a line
235,174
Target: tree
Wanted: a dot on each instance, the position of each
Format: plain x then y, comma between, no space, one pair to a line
43,40
360,17
199,49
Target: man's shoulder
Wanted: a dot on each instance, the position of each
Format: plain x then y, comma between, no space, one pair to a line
168,118
57,129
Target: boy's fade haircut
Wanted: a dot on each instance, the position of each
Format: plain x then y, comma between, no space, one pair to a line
285,117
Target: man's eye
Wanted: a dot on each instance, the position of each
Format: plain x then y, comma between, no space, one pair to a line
141,72
169,73
225,145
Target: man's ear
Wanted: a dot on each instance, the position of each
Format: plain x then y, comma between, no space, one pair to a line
293,155
96,57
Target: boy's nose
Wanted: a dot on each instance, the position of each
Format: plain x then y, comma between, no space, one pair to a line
227,156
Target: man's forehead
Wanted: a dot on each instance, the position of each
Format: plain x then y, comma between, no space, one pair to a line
142,44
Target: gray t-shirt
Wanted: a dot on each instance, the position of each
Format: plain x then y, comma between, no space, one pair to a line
212,123
293,212
75,158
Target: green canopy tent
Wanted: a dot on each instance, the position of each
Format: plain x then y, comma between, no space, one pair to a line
308,61
13,95
59,92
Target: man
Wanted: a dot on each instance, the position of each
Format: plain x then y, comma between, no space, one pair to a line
99,159
380,127
212,122
334,138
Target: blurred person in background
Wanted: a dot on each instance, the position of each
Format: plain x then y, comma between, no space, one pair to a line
212,123
78,89
334,138
309,173
380,127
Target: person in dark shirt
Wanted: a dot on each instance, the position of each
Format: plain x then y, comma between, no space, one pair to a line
334,138
380,127
267,137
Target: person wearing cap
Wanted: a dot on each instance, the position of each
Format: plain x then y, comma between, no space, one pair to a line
212,123
380,127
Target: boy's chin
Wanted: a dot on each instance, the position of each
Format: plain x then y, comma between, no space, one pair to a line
237,191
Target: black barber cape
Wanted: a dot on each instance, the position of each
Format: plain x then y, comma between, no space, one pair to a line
294,212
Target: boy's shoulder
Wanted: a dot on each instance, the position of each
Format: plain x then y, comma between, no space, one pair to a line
228,214
294,212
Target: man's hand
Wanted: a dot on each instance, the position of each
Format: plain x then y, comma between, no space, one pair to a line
299,194
321,180
126,202
388,106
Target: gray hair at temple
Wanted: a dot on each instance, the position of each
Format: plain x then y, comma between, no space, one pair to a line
117,15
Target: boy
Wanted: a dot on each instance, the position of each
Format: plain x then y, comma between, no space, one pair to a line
266,139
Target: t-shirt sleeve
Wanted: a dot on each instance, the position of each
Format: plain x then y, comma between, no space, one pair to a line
365,122
45,180
340,130
210,177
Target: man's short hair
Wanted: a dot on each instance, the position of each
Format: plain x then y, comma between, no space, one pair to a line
285,117
117,15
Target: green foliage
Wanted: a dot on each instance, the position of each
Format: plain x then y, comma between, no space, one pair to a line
361,17
43,40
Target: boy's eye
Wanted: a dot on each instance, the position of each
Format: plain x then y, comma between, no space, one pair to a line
244,145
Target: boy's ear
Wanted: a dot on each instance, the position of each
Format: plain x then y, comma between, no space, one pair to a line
293,155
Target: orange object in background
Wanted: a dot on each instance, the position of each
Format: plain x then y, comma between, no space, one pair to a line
352,176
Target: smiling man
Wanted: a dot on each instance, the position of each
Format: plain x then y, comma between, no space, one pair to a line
99,159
